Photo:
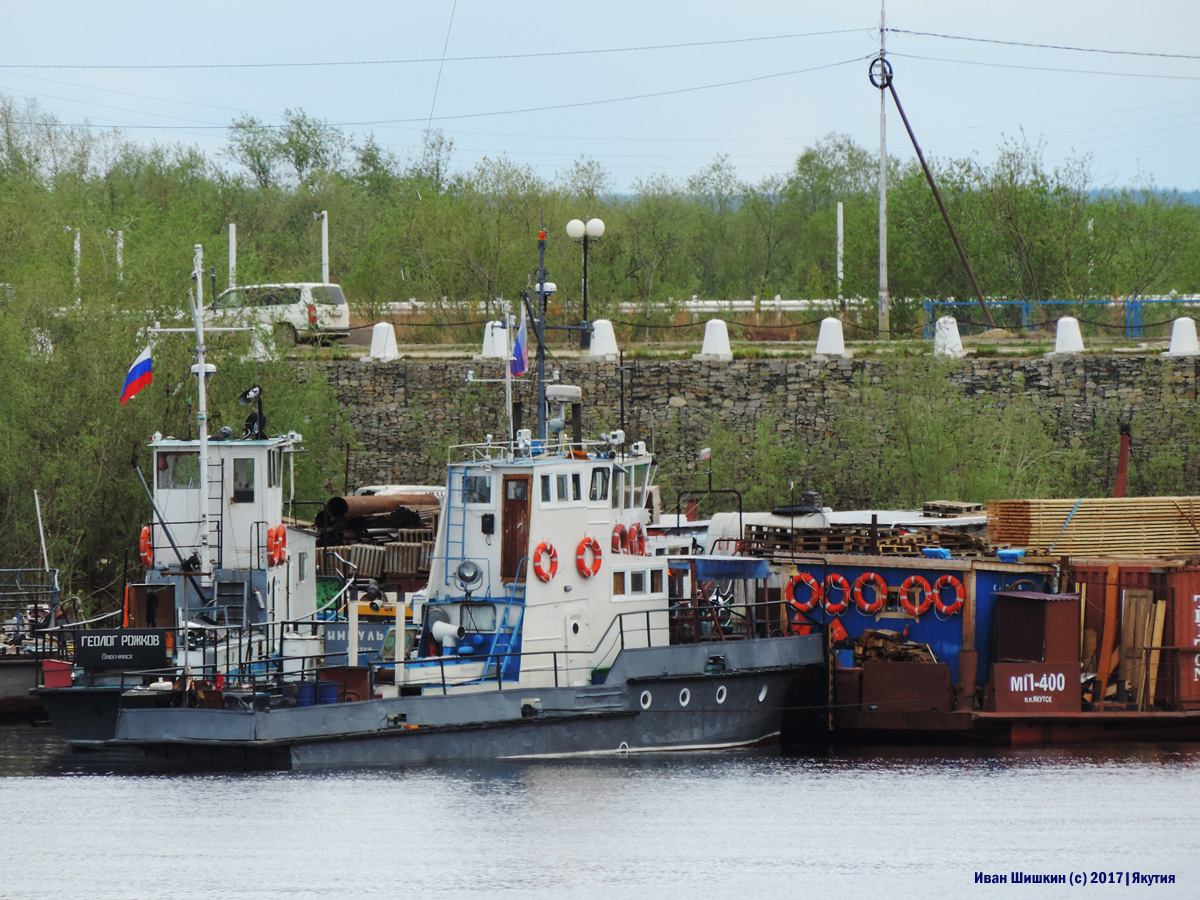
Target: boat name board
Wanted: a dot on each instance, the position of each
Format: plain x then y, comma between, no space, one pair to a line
1036,687
116,648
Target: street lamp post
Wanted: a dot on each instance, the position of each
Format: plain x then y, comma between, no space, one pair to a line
582,232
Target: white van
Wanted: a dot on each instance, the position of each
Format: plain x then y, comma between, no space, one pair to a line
301,311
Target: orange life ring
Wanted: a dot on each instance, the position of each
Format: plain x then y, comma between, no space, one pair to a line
916,609
618,541
881,590
635,539
281,543
832,583
272,547
960,596
145,547
815,594
545,574
586,569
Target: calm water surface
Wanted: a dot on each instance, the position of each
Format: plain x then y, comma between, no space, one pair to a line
854,824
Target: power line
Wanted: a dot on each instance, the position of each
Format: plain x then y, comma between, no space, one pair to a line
511,112
995,65
436,59
979,40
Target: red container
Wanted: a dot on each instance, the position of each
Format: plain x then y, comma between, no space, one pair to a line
56,673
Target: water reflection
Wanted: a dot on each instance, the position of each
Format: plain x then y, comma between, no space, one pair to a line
902,823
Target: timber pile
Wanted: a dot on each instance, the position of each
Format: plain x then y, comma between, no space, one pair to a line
1099,526
949,509
890,646
772,540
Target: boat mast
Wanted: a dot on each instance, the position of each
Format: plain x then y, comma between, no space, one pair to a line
206,563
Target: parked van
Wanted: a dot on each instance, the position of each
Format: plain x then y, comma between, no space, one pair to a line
301,311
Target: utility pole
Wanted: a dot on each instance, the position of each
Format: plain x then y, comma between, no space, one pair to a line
884,302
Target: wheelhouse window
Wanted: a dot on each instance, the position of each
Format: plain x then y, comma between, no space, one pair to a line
546,495
477,488
275,468
598,493
243,480
177,469
560,485
576,486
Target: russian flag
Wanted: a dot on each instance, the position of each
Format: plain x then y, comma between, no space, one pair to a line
139,375
520,357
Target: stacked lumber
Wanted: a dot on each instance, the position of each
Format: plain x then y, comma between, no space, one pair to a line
1099,526
773,540
949,509
890,646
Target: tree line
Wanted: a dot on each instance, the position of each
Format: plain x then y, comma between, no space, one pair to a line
460,239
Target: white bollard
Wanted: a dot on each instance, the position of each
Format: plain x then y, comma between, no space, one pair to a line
716,342
946,341
1068,338
1183,338
830,341
495,341
383,343
604,339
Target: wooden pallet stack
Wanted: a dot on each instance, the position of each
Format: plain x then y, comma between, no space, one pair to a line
1163,527
773,540
951,509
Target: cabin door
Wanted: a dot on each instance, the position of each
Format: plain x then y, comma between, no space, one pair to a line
514,525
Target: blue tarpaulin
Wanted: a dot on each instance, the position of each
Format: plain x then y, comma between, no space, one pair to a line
723,567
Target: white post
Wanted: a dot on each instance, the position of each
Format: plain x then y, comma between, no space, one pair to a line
120,256
232,255
841,246
400,622
78,253
352,633
325,246
884,305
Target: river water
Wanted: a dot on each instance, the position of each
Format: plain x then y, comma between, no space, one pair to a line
880,823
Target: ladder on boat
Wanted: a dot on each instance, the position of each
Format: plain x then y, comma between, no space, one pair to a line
456,520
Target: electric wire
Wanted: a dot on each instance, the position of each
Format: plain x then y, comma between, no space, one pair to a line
979,40
433,59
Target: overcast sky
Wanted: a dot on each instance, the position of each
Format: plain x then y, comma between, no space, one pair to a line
759,81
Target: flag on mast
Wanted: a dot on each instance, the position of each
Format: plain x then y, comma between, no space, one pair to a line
140,374
520,357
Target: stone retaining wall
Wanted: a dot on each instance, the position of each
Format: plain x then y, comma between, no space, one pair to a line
407,413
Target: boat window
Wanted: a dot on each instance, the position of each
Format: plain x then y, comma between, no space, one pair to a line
301,568
243,480
477,489
275,468
545,488
637,582
479,617
618,488
656,581
576,486
599,490
618,583
560,486
178,469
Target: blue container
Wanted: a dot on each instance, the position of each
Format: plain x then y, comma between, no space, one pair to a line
327,692
306,693
935,552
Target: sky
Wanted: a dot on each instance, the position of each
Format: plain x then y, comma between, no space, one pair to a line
644,88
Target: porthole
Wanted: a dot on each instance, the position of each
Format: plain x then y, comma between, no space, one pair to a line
762,694
721,694
646,699
685,697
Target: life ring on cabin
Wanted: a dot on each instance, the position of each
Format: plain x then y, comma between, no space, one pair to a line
815,594
960,596
281,543
272,553
635,539
618,540
832,583
586,569
546,548
881,590
145,547
916,609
